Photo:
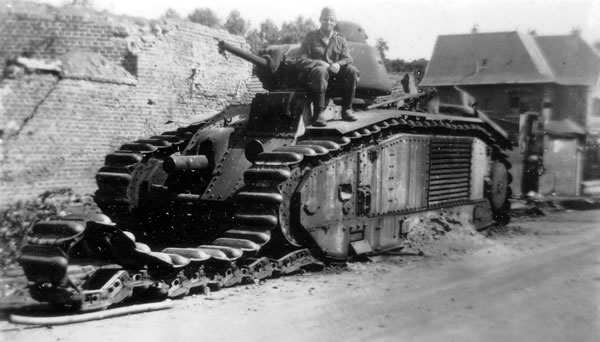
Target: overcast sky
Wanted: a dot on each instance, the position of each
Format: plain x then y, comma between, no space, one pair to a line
409,26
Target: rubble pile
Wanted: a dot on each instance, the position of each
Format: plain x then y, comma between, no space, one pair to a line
442,236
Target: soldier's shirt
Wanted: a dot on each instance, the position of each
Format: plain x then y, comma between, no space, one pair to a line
316,47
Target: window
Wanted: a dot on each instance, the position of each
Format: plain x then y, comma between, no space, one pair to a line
520,103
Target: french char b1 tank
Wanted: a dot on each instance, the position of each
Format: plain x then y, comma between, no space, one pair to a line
225,201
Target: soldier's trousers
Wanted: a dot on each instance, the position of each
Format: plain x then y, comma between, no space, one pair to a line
320,81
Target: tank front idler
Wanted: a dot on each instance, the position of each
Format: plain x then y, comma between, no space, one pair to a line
185,163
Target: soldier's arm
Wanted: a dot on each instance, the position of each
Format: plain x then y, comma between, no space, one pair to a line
304,60
345,57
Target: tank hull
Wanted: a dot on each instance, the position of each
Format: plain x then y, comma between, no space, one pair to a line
221,202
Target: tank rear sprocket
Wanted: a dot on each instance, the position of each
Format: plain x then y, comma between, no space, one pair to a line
498,188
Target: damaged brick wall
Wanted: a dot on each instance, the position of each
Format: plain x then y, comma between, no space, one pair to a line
122,79
41,31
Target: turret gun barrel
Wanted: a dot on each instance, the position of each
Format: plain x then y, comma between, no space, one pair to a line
245,55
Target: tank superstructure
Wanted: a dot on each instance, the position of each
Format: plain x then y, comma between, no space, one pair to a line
220,202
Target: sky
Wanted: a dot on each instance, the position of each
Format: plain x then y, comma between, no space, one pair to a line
410,27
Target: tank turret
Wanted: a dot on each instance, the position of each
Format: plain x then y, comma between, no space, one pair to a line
276,65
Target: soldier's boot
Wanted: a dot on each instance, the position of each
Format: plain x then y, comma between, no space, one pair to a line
320,120
348,115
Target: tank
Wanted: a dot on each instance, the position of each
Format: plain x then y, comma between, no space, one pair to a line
232,200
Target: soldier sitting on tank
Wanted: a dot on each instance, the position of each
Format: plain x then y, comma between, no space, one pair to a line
325,63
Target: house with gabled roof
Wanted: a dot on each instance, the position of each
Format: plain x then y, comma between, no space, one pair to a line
544,90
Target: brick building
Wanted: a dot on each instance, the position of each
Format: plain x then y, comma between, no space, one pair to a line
76,84
542,89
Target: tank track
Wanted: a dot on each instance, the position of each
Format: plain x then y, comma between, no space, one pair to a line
114,196
129,269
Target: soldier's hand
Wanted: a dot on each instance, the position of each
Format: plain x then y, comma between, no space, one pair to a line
335,67
323,63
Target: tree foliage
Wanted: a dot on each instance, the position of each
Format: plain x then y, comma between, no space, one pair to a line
417,66
260,38
171,14
83,3
294,31
269,31
205,16
235,24
290,33
382,46
254,39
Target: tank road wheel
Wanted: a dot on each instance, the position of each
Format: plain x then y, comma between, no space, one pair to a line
499,192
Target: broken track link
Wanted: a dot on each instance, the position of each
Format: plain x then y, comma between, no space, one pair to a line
125,269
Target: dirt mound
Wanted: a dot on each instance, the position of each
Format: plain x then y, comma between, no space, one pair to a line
442,236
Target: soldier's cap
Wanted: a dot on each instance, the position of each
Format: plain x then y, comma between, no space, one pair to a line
327,12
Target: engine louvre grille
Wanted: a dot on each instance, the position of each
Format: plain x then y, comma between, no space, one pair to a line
450,170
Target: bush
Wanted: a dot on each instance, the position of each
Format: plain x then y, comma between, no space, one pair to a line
17,219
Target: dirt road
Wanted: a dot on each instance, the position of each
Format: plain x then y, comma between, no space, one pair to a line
536,280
